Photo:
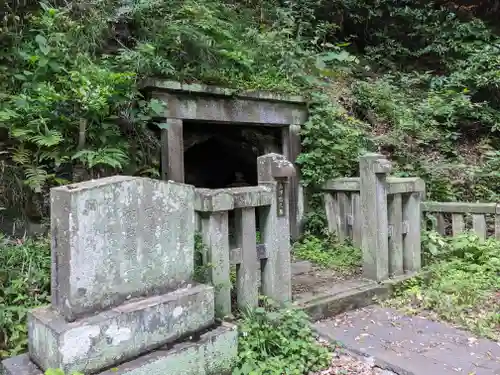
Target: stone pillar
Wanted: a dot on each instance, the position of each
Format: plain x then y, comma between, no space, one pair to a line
273,172
412,216
374,169
172,150
291,150
247,281
213,207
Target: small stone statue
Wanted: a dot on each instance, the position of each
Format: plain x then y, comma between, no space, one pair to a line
239,181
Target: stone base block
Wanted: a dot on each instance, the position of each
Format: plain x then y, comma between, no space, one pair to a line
114,336
213,354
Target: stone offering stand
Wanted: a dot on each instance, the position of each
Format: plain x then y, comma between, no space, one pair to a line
123,296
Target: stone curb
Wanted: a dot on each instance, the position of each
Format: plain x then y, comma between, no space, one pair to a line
326,306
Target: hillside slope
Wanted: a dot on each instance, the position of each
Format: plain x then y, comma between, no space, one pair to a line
414,79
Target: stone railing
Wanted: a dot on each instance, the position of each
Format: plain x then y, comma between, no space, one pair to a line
261,267
456,213
380,214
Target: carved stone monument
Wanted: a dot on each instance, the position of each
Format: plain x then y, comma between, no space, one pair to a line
123,299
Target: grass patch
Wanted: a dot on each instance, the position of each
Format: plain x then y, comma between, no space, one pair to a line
328,252
24,284
461,285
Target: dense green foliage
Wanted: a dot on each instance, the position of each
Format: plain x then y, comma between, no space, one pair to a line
24,284
431,97
460,284
71,107
417,80
424,90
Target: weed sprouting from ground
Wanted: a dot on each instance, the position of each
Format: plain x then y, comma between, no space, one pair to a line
461,284
328,252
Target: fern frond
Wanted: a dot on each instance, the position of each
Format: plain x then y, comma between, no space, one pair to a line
49,139
21,133
53,155
22,156
107,156
36,178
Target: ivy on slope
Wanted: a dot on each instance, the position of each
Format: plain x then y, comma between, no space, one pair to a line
424,90
71,98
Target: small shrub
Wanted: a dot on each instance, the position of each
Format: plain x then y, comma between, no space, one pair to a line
276,341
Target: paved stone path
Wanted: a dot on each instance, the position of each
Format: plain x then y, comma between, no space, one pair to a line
412,345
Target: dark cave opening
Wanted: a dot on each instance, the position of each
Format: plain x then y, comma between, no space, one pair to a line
221,156
214,165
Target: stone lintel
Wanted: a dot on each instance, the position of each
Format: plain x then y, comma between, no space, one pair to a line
396,185
124,332
215,353
214,200
222,105
196,88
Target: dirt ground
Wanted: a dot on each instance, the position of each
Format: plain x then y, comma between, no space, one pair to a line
317,280
344,364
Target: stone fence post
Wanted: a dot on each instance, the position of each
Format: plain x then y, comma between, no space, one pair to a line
274,170
374,169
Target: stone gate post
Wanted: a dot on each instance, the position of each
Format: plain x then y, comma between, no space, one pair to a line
373,169
274,170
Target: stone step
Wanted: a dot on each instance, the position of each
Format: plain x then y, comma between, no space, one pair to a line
119,334
213,354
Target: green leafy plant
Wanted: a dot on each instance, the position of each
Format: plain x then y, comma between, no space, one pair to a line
51,371
332,142
65,108
24,284
328,252
275,341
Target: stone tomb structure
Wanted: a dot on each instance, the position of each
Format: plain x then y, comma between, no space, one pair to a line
123,260
193,103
